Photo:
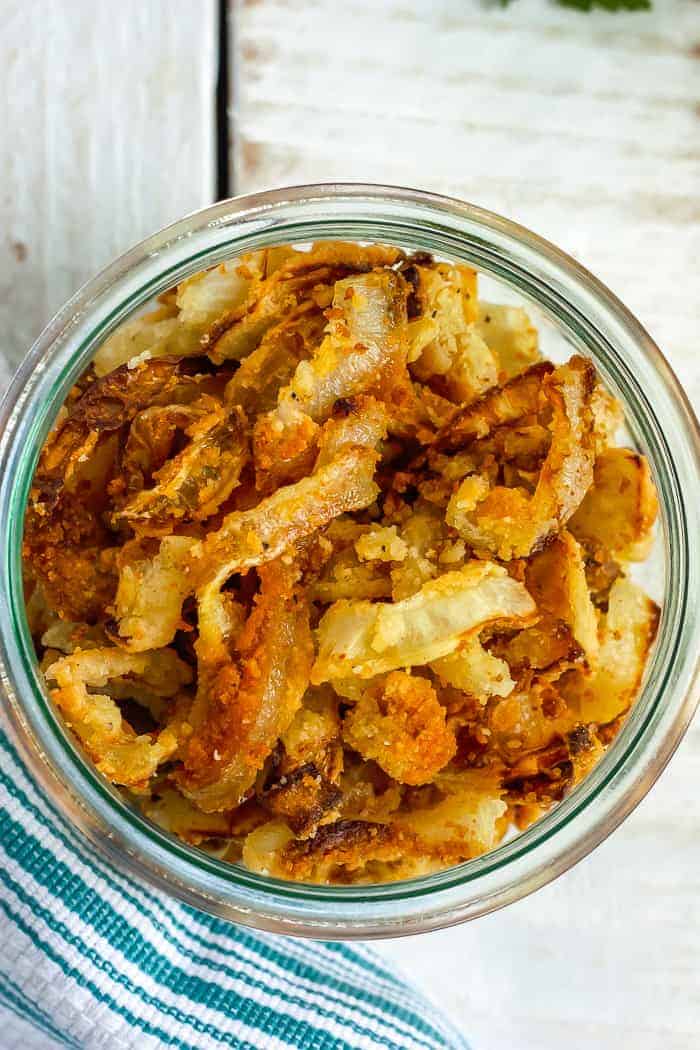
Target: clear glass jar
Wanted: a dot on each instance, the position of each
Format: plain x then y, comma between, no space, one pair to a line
575,312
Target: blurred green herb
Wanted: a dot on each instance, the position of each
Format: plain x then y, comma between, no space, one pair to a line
606,5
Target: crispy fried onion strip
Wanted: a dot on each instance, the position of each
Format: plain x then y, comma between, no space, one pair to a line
158,333
365,340
364,347
628,631
152,588
257,383
342,482
474,670
511,335
153,585
618,512
150,442
301,277
118,752
304,789
248,695
65,540
177,326
193,484
510,523
466,821
517,398
366,638
400,723
445,343
107,405
556,579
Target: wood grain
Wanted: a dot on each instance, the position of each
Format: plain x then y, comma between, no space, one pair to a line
586,129
107,117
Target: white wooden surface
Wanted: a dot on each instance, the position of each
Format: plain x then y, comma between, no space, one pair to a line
106,134
584,127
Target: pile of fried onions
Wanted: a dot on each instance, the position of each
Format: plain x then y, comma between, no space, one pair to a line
328,569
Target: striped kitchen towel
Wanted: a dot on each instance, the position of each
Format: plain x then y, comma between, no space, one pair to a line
91,959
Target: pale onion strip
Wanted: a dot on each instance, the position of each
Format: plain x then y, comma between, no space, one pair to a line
627,635
365,336
151,590
475,670
365,638
298,279
122,755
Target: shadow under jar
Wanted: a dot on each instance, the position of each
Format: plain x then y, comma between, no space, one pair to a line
575,314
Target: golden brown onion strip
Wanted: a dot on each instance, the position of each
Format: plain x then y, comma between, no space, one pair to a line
247,701
508,522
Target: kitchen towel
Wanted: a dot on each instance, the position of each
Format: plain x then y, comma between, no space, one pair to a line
94,960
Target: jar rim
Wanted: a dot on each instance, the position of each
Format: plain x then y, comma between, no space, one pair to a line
663,421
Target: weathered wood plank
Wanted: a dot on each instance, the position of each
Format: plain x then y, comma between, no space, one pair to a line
108,118
587,129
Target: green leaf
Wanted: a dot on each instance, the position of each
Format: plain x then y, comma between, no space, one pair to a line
606,5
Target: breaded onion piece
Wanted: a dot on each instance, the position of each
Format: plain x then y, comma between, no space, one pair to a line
117,751
150,442
344,847
304,789
365,341
345,576
510,523
608,417
65,540
367,638
466,822
556,579
444,342
618,512
238,333
245,702
176,327
342,483
363,349
192,485
158,333
517,398
627,635
175,814
400,723
511,335
257,383
106,406
205,296
474,670
355,422
152,588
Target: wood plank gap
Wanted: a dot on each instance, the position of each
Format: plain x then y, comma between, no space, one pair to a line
224,187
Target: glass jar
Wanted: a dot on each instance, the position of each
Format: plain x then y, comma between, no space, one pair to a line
576,313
